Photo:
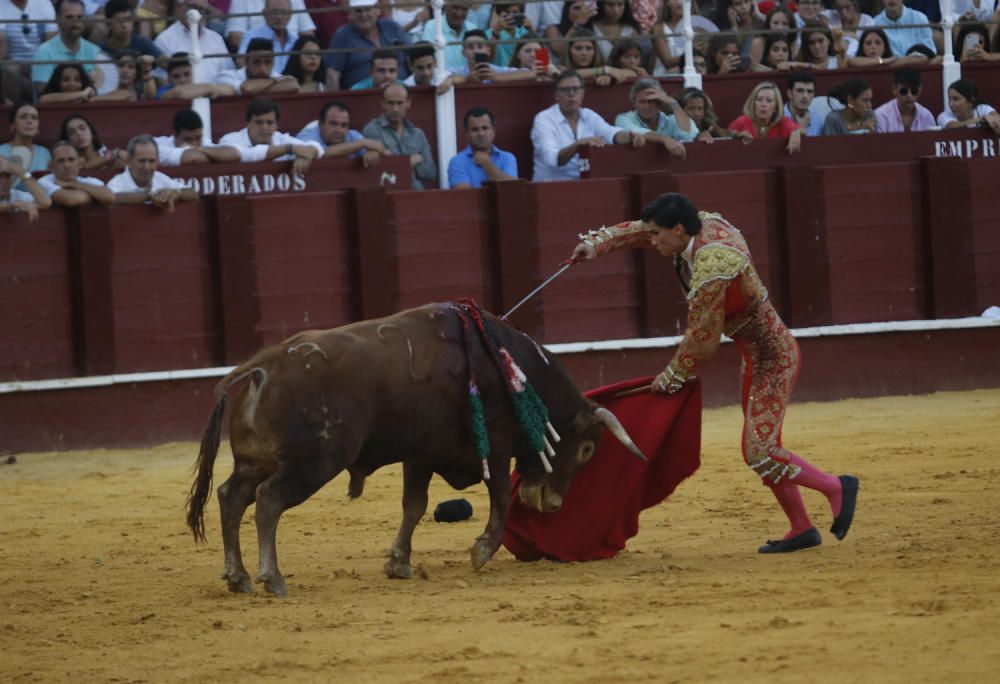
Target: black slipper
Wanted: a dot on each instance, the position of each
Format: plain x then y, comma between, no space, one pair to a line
805,540
849,499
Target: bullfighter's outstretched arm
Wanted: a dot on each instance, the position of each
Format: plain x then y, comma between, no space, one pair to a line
619,236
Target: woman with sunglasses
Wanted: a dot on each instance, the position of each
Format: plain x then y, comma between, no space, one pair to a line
903,113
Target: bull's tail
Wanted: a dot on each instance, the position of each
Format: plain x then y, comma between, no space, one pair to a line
205,465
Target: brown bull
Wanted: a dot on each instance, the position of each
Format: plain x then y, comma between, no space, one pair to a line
377,392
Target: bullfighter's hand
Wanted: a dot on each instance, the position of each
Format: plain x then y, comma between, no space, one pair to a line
583,252
661,385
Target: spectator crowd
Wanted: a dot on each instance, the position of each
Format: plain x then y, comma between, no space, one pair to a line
82,51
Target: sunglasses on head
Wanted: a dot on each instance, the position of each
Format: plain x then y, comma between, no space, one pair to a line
906,90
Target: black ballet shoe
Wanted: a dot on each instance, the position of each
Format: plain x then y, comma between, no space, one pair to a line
805,540
849,498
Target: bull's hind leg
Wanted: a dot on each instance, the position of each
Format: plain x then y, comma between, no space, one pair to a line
235,494
292,484
415,483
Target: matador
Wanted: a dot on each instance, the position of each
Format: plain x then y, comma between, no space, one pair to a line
726,297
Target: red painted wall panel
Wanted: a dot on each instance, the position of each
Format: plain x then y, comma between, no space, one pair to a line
986,230
35,298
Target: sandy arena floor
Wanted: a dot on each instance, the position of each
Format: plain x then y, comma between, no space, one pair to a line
102,582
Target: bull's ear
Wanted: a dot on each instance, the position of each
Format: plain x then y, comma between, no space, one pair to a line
615,427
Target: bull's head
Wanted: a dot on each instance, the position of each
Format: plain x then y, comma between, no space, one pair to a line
544,491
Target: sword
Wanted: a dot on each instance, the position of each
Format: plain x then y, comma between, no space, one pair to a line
563,266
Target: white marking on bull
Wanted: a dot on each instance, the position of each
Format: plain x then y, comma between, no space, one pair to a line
311,346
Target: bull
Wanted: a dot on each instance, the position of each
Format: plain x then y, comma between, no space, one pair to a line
377,392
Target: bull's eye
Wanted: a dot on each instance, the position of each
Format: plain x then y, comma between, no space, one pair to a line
586,452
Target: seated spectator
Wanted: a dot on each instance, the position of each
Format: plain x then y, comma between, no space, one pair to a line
698,106
186,145
12,200
576,16
80,133
68,83
478,66
384,70
973,44
657,116
68,46
21,149
740,17
820,50
261,140
811,12
400,136
141,183
423,66
969,11
258,77
778,20
699,61
275,28
33,23
307,68
851,21
896,15
903,113
857,115
332,130
628,55
668,35
777,53
154,16
177,38
297,20
130,87
456,23
328,16
122,37
481,160
613,22
966,110
66,187
559,132
723,55
530,54
587,62
801,94
411,15
181,85
508,24
365,32
764,117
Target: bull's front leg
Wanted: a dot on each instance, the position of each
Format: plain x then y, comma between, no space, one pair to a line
489,541
415,483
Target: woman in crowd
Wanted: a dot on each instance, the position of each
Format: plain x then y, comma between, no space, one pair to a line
507,25
778,20
764,117
740,17
873,49
723,55
777,53
584,58
668,44
613,22
628,55
852,21
857,115
131,87
975,48
821,48
698,106
577,15
308,67
965,109
526,56
82,135
69,83
24,124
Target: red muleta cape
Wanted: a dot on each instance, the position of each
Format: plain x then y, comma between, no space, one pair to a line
600,511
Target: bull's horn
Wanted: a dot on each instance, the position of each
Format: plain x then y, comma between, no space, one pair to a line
618,430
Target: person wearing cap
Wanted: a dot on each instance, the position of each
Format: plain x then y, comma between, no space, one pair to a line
363,34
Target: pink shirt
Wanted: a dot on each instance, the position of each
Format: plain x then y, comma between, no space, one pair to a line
889,120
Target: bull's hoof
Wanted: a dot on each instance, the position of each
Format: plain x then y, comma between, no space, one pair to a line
274,585
396,570
238,584
480,554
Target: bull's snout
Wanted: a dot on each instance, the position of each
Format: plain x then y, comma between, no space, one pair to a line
540,497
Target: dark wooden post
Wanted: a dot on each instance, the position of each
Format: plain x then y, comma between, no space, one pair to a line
94,245
516,252
808,260
237,278
378,258
948,189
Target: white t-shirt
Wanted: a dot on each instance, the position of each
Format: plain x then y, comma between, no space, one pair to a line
17,196
250,152
177,38
21,45
236,78
124,182
48,183
300,22
945,117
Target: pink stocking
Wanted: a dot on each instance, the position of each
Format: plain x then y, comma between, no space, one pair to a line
788,495
814,478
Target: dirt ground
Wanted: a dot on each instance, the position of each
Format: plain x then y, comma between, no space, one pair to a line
102,582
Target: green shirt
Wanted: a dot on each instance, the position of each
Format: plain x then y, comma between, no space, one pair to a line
631,122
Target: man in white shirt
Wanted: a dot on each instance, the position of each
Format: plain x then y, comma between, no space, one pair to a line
14,200
300,22
275,28
177,38
66,186
27,28
141,183
262,141
559,132
259,76
185,145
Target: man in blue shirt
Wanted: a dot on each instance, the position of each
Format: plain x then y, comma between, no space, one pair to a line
901,40
384,70
68,46
480,161
277,14
122,37
333,131
366,31
801,94
456,13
